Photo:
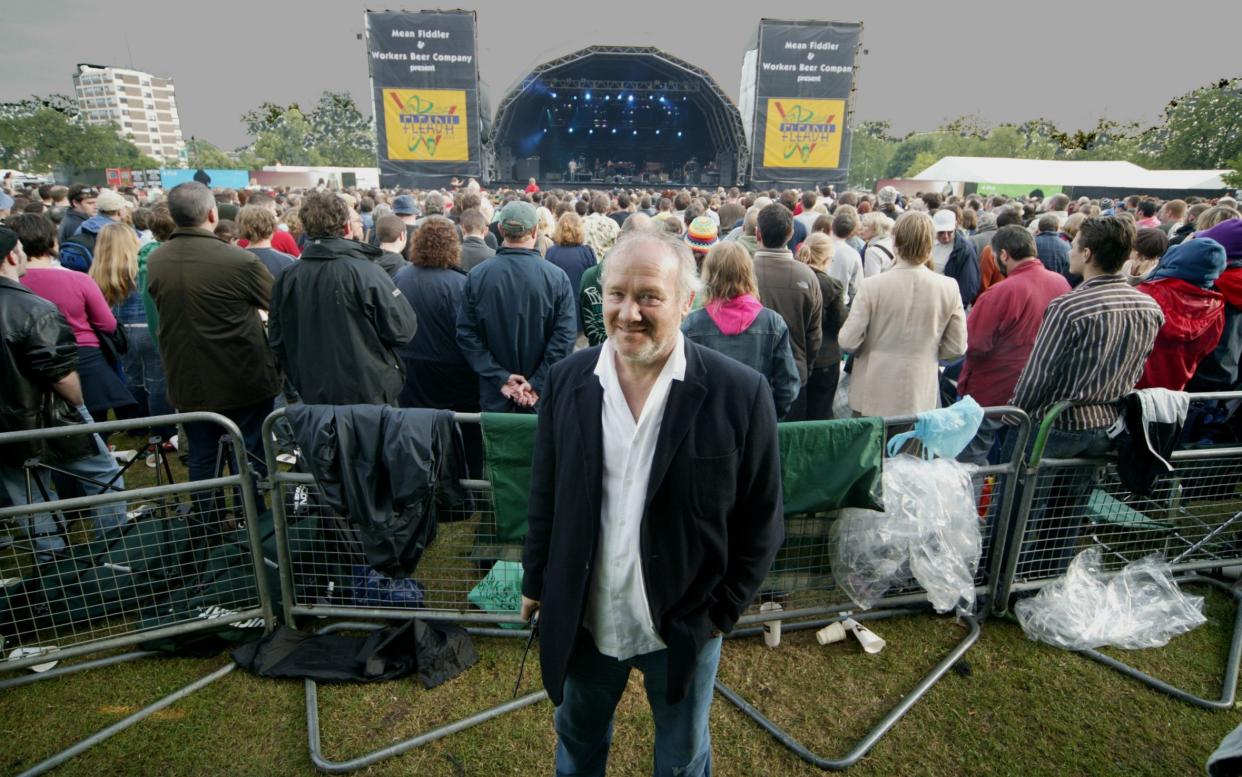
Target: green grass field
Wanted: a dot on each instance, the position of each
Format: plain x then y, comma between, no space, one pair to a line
1015,708
1023,708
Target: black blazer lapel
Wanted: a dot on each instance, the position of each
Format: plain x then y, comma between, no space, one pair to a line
589,404
685,397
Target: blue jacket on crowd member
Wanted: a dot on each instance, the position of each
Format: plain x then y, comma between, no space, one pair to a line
1053,251
963,267
70,223
744,330
518,317
574,260
436,373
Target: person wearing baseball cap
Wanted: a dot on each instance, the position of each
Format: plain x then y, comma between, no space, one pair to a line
518,316
954,256
112,209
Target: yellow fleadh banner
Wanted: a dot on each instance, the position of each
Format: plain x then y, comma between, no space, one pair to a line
427,125
803,133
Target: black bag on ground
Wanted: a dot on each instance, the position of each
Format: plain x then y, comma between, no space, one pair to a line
437,653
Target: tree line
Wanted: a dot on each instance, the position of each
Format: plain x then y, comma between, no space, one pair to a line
1199,130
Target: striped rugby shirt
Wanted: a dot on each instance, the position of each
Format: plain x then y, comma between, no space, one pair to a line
1091,348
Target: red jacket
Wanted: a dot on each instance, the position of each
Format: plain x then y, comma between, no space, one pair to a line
1194,318
1001,331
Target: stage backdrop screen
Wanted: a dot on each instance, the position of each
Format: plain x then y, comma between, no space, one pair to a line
425,93
800,103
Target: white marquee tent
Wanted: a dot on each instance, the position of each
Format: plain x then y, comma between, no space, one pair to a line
1052,172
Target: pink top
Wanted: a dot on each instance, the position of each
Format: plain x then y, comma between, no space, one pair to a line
79,299
734,316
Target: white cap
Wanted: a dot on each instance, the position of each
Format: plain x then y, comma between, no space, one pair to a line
944,221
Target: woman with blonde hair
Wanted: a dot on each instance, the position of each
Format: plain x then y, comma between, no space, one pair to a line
547,226
735,323
115,271
571,254
876,230
901,324
821,384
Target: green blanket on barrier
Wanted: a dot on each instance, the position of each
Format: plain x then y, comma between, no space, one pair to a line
827,465
508,445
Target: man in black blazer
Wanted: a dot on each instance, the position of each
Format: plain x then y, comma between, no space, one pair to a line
655,513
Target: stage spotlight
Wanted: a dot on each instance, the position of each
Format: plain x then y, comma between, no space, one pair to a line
614,130
591,131
635,132
571,130
545,130
657,132
554,94
607,97
683,99
588,95
631,98
678,133
661,98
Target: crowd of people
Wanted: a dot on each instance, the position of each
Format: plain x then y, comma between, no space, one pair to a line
628,320
236,301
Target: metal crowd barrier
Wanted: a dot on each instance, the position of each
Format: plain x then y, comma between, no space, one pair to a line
177,561
324,573
1193,517
802,576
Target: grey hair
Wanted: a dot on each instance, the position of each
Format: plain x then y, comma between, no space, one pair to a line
880,224
434,203
631,242
189,203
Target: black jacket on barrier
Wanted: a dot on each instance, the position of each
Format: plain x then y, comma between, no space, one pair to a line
387,470
336,322
713,520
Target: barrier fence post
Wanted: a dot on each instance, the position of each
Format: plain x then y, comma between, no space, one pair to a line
827,598
1192,515
125,567
315,543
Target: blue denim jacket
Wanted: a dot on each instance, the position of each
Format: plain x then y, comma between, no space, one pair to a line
764,347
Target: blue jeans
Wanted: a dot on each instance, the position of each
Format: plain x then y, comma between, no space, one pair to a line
204,439
594,685
144,377
48,537
1057,515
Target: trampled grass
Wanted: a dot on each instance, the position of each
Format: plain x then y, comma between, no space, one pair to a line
1021,708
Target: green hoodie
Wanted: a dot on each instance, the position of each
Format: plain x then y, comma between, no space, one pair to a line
153,315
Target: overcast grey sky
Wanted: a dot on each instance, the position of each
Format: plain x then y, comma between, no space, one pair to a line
927,61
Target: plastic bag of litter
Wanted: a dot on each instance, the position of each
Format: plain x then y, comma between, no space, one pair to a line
929,530
1140,607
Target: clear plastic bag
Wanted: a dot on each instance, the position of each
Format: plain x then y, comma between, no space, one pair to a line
929,530
1140,607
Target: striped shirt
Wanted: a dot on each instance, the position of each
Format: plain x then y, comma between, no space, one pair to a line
1090,349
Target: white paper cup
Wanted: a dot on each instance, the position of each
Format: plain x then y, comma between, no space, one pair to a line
771,629
871,643
833,632
27,652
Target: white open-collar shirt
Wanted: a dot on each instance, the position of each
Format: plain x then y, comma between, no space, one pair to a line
617,614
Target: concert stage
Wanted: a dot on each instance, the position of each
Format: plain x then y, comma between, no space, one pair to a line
618,116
